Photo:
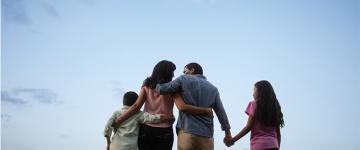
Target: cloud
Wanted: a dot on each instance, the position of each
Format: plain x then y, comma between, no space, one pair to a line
19,96
8,97
87,2
118,89
204,1
15,11
50,10
64,136
5,117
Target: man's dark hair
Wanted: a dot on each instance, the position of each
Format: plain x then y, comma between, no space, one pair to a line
129,98
197,68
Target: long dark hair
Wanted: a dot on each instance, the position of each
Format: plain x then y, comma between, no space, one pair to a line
268,109
163,72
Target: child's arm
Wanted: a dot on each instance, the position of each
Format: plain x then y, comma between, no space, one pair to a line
132,110
108,129
145,117
108,142
243,132
190,109
278,135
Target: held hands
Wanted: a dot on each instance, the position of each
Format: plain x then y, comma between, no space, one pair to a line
228,140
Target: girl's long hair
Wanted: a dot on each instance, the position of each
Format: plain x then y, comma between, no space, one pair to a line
268,109
163,72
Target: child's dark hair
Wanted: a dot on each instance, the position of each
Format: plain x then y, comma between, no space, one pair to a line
197,68
268,109
129,98
163,72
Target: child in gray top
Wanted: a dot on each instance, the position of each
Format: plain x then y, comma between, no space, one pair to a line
125,137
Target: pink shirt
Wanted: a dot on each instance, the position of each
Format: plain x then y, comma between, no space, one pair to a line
262,137
158,104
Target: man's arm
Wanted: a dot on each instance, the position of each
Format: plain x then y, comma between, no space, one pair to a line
220,112
132,110
170,87
221,115
190,109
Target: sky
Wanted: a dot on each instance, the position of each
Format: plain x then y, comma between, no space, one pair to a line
65,65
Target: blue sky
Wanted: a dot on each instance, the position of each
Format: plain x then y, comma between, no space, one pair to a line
65,64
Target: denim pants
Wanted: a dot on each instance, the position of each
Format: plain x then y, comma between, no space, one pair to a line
155,138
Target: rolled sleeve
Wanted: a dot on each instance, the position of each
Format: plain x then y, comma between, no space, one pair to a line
108,127
147,117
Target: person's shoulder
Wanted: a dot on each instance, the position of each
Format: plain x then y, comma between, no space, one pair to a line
123,109
250,109
190,77
119,110
117,113
252,103
140,112
210,85
145,88
183,76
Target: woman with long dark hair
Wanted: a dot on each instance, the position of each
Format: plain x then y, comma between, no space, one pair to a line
159,136
265,119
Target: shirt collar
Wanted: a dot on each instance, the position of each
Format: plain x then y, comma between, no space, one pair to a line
200,76
125,107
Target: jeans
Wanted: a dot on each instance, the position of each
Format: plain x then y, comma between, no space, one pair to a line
155,138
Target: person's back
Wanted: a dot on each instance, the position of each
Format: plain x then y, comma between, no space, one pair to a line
158,104
196,131
197,91
126,135
264,119
261,136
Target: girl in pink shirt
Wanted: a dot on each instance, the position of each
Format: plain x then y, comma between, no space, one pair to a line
265,119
